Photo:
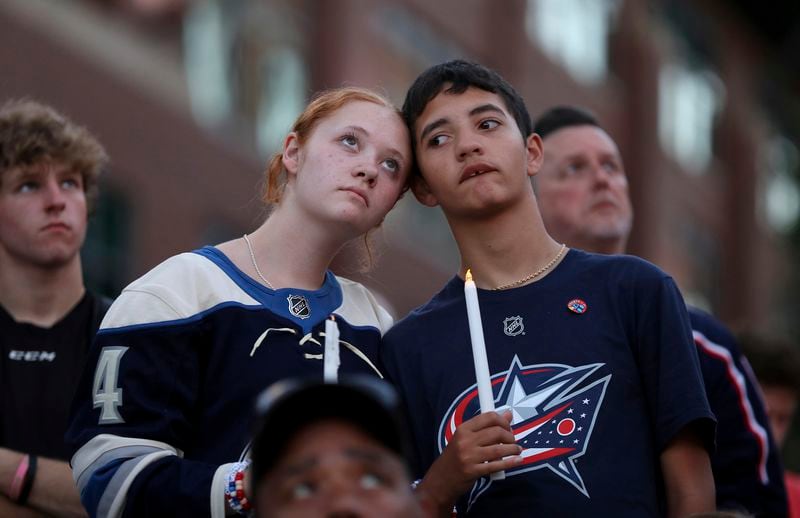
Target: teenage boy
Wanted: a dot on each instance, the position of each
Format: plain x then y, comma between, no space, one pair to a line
583,197
325,450
49,169
600,403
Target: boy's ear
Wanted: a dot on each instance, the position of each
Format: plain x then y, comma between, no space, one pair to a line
422,191
535,153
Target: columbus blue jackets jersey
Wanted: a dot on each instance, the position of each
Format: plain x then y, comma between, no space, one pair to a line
165,402
747,469
596,363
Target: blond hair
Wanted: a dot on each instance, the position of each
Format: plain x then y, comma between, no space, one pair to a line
32,133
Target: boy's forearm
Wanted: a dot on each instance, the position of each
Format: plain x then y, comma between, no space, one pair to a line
688,479
9,508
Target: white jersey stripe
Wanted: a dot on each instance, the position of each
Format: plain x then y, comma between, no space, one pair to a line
117,489
740,384
126,452
105,443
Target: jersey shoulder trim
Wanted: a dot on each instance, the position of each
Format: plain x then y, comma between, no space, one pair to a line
181,287
360,308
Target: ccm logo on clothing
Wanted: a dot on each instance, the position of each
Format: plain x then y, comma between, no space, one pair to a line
32,356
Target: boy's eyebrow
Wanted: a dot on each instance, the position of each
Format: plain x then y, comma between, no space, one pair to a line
23,173
298,467
432,126
368,455
488,107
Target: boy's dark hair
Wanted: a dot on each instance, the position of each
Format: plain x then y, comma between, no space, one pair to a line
560,117
460,75
775,361
32,132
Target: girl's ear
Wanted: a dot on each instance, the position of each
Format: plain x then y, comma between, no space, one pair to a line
291,153
535,153
422,191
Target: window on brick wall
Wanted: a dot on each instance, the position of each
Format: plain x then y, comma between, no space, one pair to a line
779,200
245,68
688,101
573,33
106,250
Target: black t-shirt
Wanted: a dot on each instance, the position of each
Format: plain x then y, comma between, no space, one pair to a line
39,370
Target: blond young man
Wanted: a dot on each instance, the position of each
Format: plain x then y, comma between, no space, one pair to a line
48,184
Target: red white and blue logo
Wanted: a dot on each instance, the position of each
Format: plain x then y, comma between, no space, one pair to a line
554,409
577,306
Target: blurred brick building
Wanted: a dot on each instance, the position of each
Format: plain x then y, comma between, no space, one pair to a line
190,97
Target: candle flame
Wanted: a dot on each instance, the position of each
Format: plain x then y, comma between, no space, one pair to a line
468,275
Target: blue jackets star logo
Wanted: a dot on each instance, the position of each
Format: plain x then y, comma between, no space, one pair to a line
554,409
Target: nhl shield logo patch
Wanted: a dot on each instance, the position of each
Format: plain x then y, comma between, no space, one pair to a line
513,326
298,306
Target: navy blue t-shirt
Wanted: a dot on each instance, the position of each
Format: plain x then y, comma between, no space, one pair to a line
597,364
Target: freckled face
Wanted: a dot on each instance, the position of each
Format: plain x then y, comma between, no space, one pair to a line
331,468
583,190
43,214
353,167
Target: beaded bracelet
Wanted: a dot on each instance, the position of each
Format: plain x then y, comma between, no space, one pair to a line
234,489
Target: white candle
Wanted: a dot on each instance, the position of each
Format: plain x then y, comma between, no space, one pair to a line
485,394
330,359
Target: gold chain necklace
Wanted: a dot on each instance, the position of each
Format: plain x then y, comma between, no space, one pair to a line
536,273
255,264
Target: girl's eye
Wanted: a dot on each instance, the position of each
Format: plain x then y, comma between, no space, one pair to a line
489,124
437,141
302,490
370,481
69,184
350,141
391,164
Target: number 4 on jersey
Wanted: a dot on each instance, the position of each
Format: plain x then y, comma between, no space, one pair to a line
107,395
